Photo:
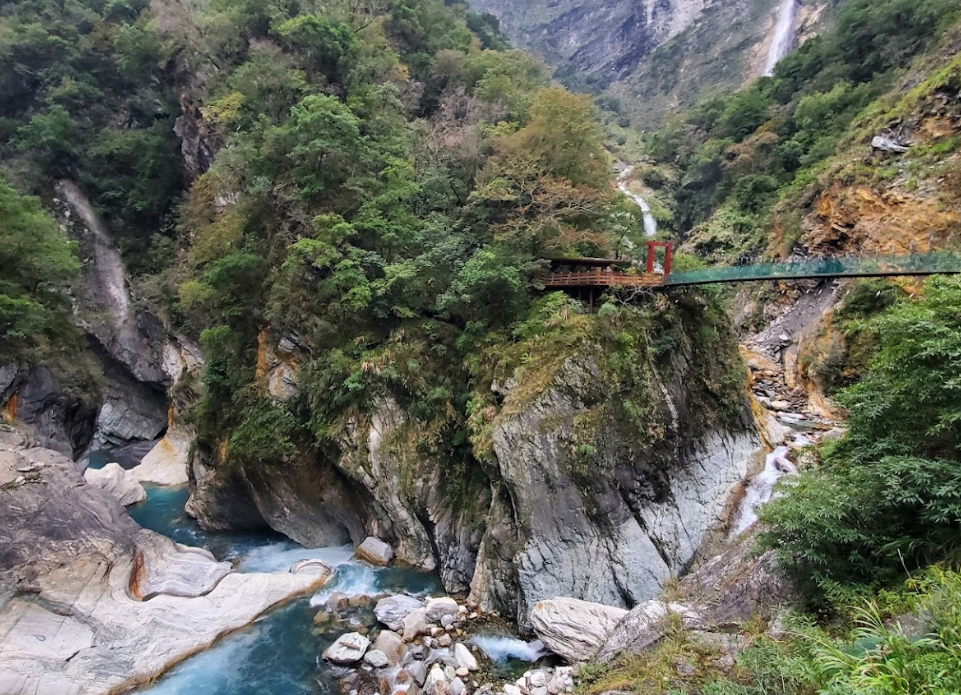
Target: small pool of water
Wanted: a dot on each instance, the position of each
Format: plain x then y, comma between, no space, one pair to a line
262,551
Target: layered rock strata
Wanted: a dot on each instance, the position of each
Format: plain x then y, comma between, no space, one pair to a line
526,523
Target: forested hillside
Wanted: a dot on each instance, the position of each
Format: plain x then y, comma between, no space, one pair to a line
741,171
373,185
850,148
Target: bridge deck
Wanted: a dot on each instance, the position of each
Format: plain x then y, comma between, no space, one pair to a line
681,282
607,273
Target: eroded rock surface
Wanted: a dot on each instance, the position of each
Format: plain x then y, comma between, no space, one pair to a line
392,610
72,564
574,629
120,483
375,551
644,626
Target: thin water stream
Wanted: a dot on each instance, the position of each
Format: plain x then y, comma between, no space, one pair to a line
623,185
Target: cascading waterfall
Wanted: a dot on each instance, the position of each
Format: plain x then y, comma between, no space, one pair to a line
761,489
650,224
783,41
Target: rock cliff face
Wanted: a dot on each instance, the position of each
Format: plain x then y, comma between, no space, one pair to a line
529,520
655,56
605,39
642,520
136,360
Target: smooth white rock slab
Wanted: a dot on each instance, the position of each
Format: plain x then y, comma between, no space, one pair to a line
118,482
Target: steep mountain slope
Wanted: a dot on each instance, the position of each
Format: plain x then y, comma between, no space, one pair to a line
656,56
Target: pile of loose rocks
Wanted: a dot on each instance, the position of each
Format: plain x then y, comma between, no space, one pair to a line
424,647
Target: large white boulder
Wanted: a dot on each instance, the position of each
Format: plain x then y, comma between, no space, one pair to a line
375,551
464,658
347,649
574,629
118,482
392,610
437,608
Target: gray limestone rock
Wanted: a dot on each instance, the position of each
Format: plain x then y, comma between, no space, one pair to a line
737,586
375,551
392,611
376,658
437,608
118,482
391,644
573,629
347,649
418,672
617,542
415,624
464,657
644,626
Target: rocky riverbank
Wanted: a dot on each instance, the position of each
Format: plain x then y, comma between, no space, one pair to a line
411,645
89,601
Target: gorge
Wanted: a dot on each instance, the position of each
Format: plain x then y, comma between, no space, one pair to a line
287,408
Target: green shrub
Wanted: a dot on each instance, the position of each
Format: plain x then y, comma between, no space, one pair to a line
887,499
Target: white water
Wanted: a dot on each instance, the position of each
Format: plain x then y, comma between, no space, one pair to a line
501,648
281,555
761,489
783,41
650,224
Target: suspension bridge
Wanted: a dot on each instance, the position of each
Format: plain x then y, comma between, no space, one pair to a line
656,272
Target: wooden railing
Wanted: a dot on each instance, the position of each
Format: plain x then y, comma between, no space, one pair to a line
599,278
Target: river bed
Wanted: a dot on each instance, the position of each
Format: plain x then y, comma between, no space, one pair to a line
279,653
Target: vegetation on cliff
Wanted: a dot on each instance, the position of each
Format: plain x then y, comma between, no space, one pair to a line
747,164
383,182
37,266
870,532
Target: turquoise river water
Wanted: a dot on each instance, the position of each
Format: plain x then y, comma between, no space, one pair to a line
279,654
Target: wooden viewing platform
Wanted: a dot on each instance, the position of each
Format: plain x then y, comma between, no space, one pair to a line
598,278
607,272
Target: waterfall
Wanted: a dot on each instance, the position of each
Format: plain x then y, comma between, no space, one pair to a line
783,40
761,489
650,224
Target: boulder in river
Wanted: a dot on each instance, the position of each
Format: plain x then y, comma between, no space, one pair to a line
437,608
311,566
415,625
391,644
574,629
464,657
375,551
347,649
118,482
376,658
392,610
